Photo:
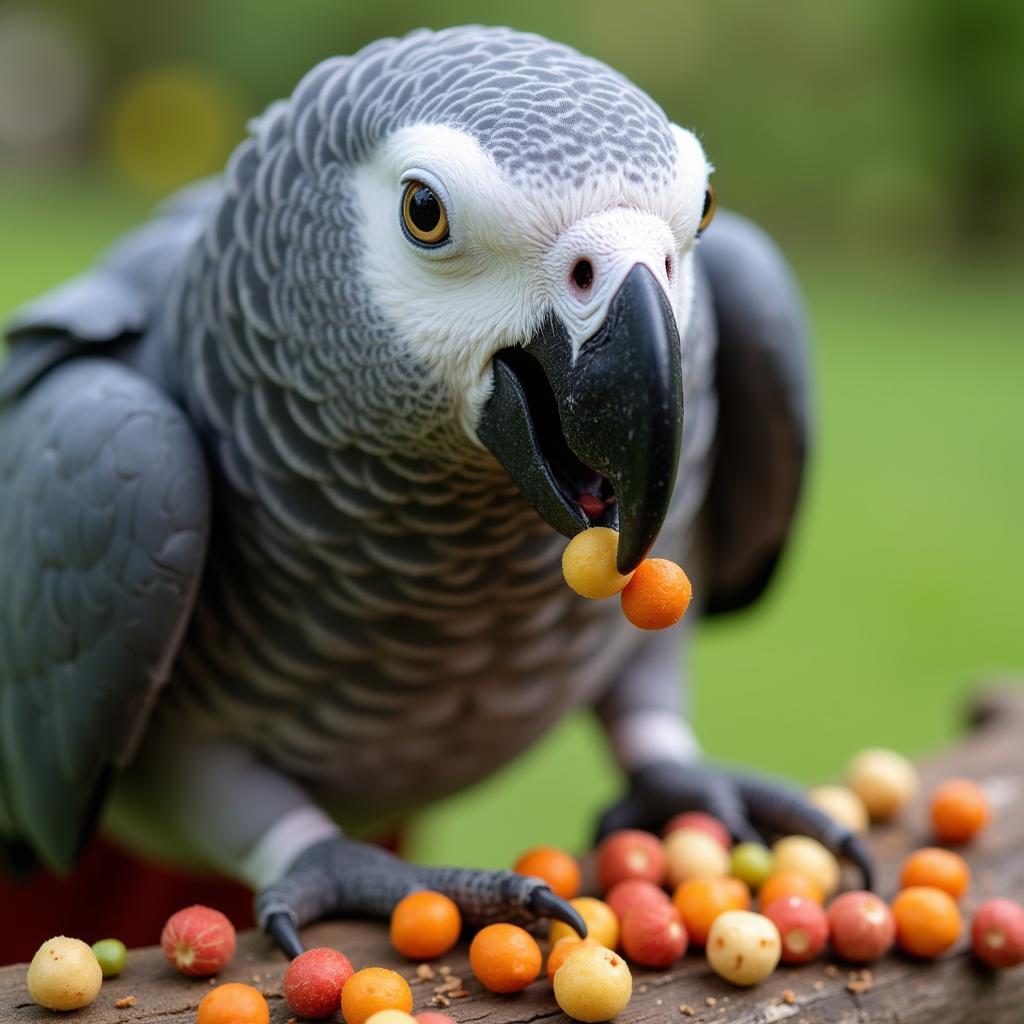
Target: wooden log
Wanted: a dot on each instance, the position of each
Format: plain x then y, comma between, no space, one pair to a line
898,989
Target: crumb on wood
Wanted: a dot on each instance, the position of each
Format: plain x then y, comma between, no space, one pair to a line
453,987
831,970
256,977
711,1000
292,1020
124,1002
687,1011
642,989
860,981
818,986
444,970
788,996
440,1000
424,973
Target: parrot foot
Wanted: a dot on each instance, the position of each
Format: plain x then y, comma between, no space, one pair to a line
342,877
747,805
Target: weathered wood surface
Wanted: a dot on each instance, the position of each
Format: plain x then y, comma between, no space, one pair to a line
952,989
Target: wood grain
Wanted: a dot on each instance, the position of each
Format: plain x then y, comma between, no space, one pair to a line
953,989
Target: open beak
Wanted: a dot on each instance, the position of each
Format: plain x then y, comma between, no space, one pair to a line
595,442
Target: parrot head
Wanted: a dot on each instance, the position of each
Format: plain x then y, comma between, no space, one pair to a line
525,220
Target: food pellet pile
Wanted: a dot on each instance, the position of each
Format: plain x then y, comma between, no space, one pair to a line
689,891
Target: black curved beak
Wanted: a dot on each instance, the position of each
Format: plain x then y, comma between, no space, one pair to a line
595,441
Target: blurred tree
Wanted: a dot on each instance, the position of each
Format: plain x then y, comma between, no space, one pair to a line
969,69
892,126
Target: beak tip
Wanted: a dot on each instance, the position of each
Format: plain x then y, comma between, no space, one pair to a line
635,543
627,565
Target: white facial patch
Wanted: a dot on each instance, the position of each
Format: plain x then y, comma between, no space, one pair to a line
512,250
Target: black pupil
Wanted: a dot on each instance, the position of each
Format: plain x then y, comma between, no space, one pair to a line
707,204
424,210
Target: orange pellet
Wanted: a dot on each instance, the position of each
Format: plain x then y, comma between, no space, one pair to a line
425,925
927,921
556,867
941,869
504,957
790,883
233,1003
657,595
700,900
373,989
959,810
562,949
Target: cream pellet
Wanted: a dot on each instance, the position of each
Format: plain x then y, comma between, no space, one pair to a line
588,563
884,780
602,924
593,984
743,947
692,853
391,1017
842,805
808,857
64,974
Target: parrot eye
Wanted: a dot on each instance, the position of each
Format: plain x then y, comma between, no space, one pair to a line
423,215
708,213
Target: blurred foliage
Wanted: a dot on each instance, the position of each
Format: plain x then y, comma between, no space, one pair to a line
892,126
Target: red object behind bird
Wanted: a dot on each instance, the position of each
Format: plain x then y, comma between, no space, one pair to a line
109,893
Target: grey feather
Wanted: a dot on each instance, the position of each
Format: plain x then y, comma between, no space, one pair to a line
113,305
101,555
105,541
545,112
98,306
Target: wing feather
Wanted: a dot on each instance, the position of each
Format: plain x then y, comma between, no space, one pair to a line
104,525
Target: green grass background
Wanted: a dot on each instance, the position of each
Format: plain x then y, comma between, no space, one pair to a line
900,589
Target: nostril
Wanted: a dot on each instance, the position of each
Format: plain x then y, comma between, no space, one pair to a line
669,267
583,274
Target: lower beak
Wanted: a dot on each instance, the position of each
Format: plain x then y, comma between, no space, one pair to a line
595,440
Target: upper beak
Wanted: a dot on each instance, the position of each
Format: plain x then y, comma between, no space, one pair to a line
595,439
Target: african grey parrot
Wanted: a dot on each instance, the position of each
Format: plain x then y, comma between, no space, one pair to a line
286,476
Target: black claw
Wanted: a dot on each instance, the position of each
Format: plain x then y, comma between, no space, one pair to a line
281,929
544,903
853,849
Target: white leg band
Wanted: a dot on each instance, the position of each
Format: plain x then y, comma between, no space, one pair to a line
643,737
268,860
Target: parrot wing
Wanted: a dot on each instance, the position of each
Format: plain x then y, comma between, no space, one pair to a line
104,523
763,386
115,302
